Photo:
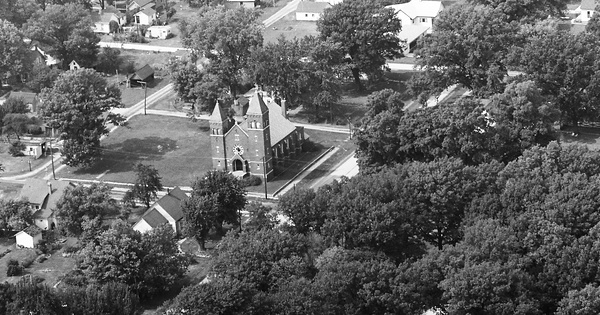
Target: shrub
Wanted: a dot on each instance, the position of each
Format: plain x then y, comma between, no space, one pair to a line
44,247
41,258
75,278
70,249
14,269
251,180
16,148
27,262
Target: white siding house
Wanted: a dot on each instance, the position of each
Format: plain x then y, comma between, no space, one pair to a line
29,237
310,11
418,18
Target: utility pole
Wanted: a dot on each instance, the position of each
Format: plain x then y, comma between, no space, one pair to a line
144,84
52,157
265,176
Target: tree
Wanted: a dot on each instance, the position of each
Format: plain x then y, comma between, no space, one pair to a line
13,50
149,263
65,31
147,183
261,217
100,299
109,60
227,194
366,32
300,206
42,77
84,202
219,296
15,215
196,85
226,38
566,68
15,105
584,302
76,105
200,215
18,124
468,47
523,10
17,12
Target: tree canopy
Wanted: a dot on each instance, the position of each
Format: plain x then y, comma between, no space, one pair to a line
147,183
527,9
366,32
65,32
13,50
79,105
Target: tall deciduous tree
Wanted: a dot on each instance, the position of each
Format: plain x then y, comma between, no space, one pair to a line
15,215
65,31
76,104
84,202
226,38
526,9
468,47
147,183
13,50
17,11
366,32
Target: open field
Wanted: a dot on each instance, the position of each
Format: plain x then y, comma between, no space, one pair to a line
289,28
178,148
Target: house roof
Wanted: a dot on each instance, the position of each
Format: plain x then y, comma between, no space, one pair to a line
35,191
143,73
172,205
257,105
416,8
312,7
411,32
154,218
588,5
147,11
32,230
178,193
28,97
142,3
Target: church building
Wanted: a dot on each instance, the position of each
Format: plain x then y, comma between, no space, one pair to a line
263,140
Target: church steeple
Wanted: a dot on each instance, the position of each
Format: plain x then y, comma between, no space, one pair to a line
219,125
217,114
257,105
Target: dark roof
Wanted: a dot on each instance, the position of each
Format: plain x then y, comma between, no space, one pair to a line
143,73
142,3
257,105
35,191
154,218
28,97
178,193
312,7
32,230
172,205
588,5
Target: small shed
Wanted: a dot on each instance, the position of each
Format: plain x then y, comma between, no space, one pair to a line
310,11
144,74
73,65
34,147
29,237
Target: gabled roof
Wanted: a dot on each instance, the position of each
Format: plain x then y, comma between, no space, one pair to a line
32,230
279,126
217,114
58,190
171,203
417,8
588,5
410,32
178,193
154,218
28,97
257,105
147,11
143,73
142,3
35,191
312,7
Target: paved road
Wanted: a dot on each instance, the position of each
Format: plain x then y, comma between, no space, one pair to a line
348,168
289,8
141,47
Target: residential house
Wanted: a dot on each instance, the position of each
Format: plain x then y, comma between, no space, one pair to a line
43,196
137,5
29,98
166,210
29,237
418,17
145,16
37,55
310,11
585,11
102,19
34,147
73,65
232,4
143,75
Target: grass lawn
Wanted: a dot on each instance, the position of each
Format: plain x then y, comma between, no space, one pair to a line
9,190
18,164
133,95
588,136
289,28
178,148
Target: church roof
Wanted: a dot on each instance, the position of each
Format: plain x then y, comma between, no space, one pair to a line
217,114
280,127
257,105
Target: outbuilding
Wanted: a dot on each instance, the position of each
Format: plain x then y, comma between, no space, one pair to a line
144,75
160,32
29,237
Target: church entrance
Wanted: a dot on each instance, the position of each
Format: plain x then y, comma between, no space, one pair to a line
238,165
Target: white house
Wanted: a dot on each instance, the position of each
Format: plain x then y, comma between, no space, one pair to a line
29,237
310,11
585,11
418,17
102,19
167,210
42,197
34,147
146,16
232,4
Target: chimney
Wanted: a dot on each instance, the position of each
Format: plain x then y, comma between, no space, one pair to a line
283,109
50,188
